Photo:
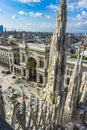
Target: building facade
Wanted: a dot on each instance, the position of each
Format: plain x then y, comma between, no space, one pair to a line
28,60
9,55
70,64
34,62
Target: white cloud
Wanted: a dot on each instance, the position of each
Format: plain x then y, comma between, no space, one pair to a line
38,14
21,12
34,14
14,16
79,16
29,1
79,20
82,16
47,16
77,5
82,3
53,7
84,13
71,7
77,27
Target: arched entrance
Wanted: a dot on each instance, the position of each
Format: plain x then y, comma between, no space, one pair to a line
32,69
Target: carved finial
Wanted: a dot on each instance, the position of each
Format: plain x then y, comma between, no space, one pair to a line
62,16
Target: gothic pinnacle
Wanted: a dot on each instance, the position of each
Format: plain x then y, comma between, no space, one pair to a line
63,1
61,18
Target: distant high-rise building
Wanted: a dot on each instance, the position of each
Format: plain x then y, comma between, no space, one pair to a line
1,28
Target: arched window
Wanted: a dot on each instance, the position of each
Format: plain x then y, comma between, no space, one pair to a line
67,81
32,69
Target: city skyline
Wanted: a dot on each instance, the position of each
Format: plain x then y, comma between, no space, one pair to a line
40,15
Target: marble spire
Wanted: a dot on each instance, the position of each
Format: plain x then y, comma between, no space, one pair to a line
57,59
60,45
61,18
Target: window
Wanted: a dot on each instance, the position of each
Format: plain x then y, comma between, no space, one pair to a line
24,72
68,67
70,72
23,58
41,64
67,72
15,61
41,79
68,80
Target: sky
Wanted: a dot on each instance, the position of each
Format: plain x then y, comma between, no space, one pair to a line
40,15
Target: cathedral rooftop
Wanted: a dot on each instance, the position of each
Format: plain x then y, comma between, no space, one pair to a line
6,43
